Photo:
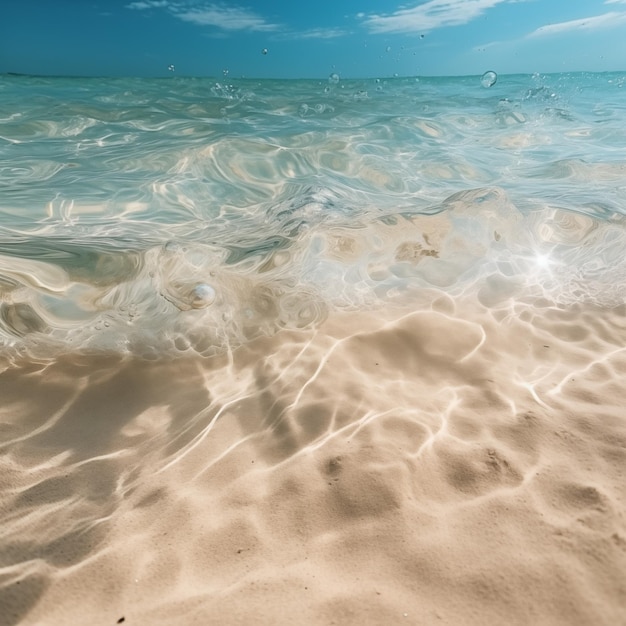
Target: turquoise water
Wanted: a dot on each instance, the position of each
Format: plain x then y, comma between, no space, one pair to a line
187,216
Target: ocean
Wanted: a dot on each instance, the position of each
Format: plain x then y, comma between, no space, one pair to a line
222,299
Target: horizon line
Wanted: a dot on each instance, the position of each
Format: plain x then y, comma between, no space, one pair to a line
322,78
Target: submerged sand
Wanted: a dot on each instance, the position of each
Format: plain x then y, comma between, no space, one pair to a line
444,464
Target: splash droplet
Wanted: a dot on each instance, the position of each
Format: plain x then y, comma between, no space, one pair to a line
171,68
388,49
333,79
225,72
488,79
264,51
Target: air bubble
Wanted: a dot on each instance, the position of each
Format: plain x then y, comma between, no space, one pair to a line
202,295
488,79
333,79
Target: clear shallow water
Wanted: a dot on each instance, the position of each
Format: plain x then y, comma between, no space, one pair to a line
184,216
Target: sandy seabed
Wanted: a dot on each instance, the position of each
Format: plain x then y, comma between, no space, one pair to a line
449,464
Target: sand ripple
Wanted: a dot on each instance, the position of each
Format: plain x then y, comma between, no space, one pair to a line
442,464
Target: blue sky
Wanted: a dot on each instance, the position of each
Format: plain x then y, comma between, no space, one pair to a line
290,39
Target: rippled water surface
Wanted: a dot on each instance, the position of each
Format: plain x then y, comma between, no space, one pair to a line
175,215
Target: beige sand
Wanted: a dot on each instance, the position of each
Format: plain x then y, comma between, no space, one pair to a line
444,465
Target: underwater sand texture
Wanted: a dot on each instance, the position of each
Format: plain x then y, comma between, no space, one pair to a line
435,466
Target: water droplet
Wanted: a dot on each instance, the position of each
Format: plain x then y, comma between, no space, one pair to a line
171,68
388,49
225,72
488,79
333,79
264,51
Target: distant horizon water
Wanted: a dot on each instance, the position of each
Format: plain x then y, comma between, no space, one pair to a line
174,75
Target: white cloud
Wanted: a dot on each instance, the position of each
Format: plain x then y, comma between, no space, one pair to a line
615,2
430,15
491,44
321,33
606,20
147,4
312,33
226,18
